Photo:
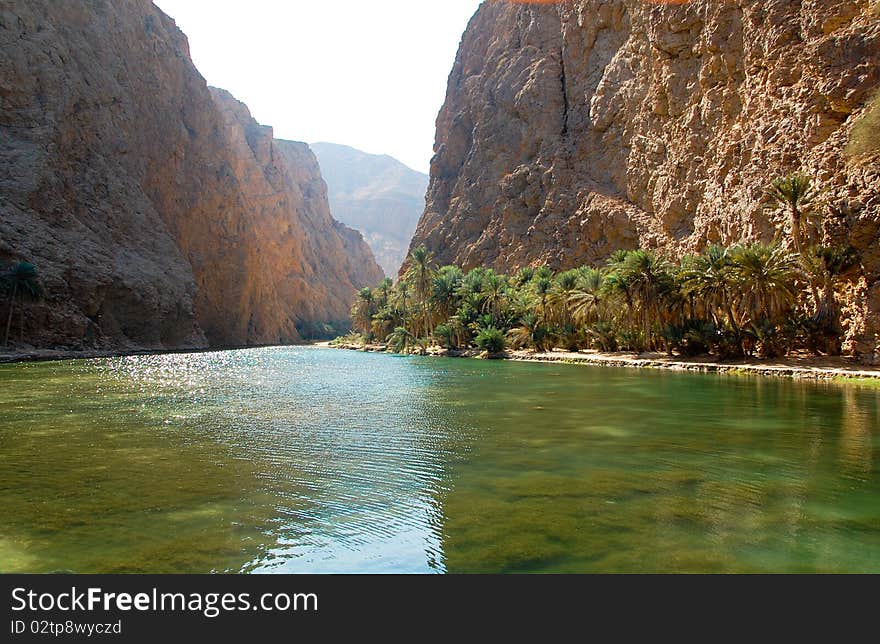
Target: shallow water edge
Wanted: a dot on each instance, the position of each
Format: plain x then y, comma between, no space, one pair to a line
841,370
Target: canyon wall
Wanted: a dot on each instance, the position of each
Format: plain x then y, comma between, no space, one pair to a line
158,212
576,128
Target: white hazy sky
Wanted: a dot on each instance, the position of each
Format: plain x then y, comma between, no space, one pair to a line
371,75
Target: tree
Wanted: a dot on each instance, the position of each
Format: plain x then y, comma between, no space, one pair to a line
363,311
708,281
795,195
494,293
383,292
586,299
725,301
826,264
444,294
765,277
530,332
21,281
421,275
543,287
564,286
400,300
458,330
383,322
399,339
645,280
524,275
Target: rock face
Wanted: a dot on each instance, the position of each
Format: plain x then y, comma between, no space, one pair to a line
158,212
377,195
574,129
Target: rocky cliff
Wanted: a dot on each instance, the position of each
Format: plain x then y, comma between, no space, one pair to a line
158,212
377,195
572,129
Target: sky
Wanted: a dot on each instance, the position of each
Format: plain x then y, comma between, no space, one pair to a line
371,75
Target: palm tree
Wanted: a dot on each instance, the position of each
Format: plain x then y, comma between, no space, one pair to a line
765,277
494,293
564,286
458,329
707,279
618,279
646,281
19,280
826,264
384,322
586,300
490,339
400,300
473,281
531,332
796,195
543,287
384,292
399,339
363,312
444,293
524,275
421,275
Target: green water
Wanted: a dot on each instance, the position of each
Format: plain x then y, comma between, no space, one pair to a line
315,460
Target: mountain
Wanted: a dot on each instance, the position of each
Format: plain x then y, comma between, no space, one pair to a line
574,129
159,214
377,195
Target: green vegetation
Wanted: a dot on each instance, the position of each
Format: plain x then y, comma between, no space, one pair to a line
757,299
796,195
490,339
865,135
873,383
18,281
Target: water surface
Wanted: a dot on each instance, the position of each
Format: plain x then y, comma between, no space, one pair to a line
315,460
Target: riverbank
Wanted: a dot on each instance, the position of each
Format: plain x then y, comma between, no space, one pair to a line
798,367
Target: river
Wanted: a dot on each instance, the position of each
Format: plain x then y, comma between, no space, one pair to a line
316,460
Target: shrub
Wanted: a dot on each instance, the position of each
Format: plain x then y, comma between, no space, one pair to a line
490,339
445,336
691,337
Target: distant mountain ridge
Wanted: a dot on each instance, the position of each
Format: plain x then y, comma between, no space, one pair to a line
375,194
